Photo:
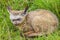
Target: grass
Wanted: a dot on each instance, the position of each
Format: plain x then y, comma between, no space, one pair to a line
9,32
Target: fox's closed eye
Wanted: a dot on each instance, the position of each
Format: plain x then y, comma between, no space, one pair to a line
16,19
19,19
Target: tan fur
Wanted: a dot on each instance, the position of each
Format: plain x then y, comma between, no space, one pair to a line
38,22
15,12
42,21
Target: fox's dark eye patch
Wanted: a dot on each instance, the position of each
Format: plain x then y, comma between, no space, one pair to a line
16,19
19,19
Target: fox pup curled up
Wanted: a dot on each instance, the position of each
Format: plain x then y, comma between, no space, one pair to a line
34,23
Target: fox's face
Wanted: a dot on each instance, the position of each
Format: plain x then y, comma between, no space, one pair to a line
17,17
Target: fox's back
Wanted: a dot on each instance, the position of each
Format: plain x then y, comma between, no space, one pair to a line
42,15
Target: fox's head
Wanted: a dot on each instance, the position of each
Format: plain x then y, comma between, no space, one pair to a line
17,17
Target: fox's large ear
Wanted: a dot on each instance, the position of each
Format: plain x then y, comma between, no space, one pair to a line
9,9
25,10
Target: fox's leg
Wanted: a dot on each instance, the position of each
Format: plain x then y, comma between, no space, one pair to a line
27,33
35,34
